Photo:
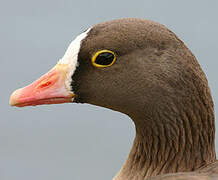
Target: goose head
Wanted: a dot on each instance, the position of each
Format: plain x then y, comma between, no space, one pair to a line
116,65
142,69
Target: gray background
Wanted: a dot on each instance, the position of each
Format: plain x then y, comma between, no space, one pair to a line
74,141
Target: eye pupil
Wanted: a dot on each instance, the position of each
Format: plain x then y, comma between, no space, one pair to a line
104,58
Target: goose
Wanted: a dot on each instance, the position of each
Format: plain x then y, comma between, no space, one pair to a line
140,68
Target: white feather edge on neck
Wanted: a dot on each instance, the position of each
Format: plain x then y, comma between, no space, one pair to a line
70,57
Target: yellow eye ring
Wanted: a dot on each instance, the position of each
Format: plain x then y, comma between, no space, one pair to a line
103,58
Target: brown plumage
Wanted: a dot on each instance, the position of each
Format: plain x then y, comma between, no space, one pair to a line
156,81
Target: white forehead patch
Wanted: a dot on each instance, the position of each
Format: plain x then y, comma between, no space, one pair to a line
70,57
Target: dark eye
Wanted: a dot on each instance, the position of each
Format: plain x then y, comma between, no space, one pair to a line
103,58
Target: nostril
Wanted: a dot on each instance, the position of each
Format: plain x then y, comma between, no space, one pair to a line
46,84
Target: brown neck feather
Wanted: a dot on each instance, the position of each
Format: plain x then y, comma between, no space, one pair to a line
171,139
